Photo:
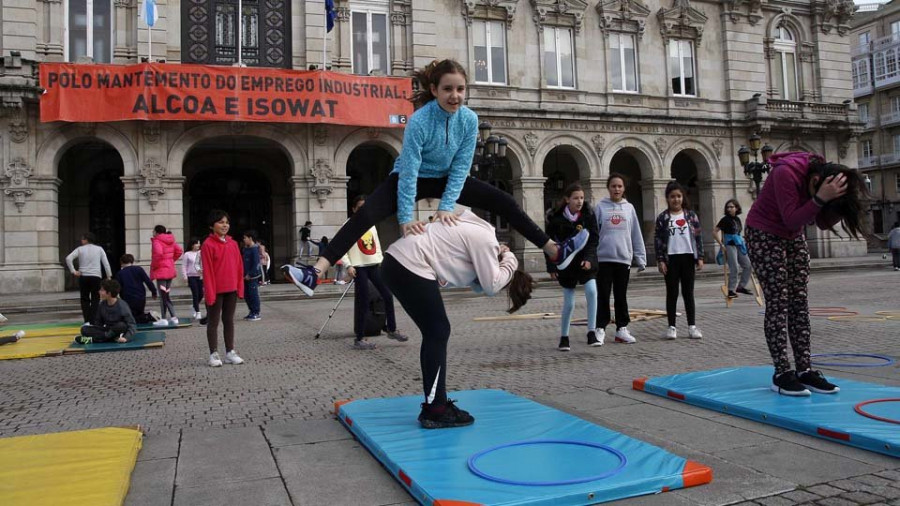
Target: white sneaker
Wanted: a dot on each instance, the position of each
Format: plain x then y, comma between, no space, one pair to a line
3,319
214,360
232,358
623,336
161,323
694,332
601,336
173,320
85,323
672,333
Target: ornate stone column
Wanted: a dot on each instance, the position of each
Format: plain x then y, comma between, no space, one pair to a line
50,26
341,61
713,195
125,16
529,195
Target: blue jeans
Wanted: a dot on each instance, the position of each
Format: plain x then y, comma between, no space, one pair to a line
251,295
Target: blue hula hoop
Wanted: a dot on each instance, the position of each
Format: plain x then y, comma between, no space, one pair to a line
887,360
474,458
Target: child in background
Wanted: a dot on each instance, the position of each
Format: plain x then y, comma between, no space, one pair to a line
250,255
679,250
567,220
134,283
113,321
192,271
264,263
165,251
730,228
223,283
620,243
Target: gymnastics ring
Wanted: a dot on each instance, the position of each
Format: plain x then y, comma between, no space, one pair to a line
858,409
858,318
474,458
887,360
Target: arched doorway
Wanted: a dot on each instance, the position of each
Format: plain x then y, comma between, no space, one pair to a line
498,175
92,199
561,170
368,166
685,172
691,169
248,177
626,164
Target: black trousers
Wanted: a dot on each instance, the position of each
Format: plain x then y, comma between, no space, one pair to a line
612,276
361,299
89,286
104,333
680,272
382,203
421,299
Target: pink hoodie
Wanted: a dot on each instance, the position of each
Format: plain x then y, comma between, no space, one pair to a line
784,206
165,251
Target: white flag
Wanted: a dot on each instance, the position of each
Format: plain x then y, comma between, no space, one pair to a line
149,12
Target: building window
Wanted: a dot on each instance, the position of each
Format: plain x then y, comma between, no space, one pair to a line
681,67
89,30
895,29
896,144
867,148
370,42
623,62
490,51
559,57
863,110
785,78
212,29
864,39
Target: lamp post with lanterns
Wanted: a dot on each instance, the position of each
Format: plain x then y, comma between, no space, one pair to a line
755,169
490,151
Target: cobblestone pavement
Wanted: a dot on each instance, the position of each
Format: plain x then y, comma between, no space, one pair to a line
289,377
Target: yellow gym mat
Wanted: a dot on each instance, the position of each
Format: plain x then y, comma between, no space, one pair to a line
86,467
29,347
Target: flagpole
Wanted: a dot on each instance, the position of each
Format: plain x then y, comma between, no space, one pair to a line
240,28
149,44
325,43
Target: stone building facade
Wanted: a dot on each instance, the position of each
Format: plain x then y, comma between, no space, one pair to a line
655,89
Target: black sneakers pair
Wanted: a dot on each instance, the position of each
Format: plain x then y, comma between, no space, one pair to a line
799,385
444,416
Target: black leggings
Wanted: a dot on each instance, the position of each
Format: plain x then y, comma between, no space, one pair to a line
612,276
196,285
222,310
680,271
361,299
421,298
382,203
104,333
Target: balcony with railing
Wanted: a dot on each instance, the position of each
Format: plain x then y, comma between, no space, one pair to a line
885,54
889,159
867,161
760,107
890,118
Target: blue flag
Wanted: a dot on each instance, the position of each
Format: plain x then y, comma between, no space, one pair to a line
330,15
149,13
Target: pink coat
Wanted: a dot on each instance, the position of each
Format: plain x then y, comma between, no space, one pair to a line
165,252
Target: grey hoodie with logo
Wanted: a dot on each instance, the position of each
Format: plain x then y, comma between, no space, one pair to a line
620,233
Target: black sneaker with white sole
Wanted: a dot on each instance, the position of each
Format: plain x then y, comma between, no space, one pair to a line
564,344
787,383
444,416
815,381
592,339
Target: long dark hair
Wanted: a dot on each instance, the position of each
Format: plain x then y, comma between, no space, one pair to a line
519,290
849,206
572,188
432,74
737,207
676,186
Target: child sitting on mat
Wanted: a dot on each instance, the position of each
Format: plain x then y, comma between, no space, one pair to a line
112,321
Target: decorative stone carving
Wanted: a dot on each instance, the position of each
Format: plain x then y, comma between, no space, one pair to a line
503,10
681,21
237,127
18,130
322,186
559,13
843,148
835,14
343,14
622,16
124,3
599,143
17,173
152,185
753,12
151,131
717,146
320,135
661,145
531,142
373,133
88,129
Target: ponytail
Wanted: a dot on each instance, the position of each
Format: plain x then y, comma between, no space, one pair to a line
519,290
431,75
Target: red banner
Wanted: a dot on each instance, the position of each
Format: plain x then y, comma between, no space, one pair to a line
178,92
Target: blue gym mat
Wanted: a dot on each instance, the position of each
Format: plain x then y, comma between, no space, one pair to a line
432,464
745,392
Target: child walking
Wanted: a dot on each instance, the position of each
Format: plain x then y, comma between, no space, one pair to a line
252,268
192,270
568,219
619,244
223,283
679,251
730,228
438,146
165,251
800,189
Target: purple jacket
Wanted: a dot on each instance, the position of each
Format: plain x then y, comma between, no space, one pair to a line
784,206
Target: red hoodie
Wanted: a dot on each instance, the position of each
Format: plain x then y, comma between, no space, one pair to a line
164,252
223,267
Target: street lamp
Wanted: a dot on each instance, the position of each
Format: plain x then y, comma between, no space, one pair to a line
755,170
490,151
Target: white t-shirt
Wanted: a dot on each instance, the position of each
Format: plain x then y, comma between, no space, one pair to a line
681,238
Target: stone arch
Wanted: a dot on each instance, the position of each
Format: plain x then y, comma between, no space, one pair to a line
703,157
515,153
788,146
187,140
60,140
645,154
387,139
792,22
581,151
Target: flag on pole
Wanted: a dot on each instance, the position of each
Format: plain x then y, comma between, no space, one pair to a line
149,12
330,15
